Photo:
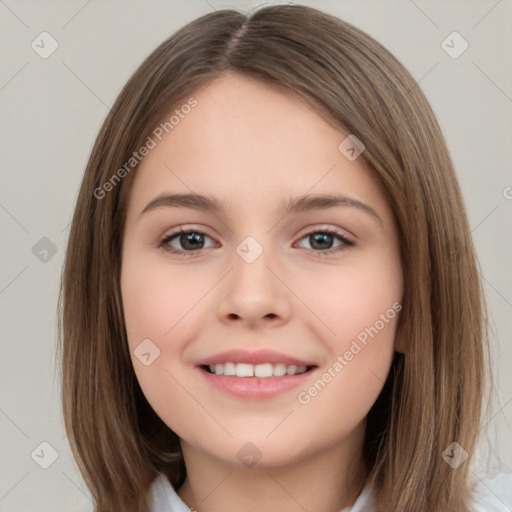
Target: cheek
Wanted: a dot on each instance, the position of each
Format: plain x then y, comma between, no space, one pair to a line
358,301
361,307
161,304
158,307
360,356
156,302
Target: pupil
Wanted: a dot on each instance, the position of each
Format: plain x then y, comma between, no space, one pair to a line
322,239
192,240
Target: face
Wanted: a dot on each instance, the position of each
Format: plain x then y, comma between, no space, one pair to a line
255,285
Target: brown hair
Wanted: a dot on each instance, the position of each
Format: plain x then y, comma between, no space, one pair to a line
433,396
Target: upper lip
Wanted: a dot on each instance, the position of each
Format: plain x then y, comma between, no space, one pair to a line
255,357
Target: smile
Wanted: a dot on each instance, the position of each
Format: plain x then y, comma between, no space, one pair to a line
263,371
254,375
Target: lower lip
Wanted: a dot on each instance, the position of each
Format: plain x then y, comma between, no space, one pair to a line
255,387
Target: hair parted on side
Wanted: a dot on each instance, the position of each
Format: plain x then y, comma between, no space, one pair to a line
435,389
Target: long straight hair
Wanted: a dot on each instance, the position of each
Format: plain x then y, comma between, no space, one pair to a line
434,393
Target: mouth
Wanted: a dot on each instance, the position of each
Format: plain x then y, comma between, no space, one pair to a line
255,375
261,371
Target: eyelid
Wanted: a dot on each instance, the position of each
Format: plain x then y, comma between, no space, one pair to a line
347,240
186,228
314,228
306,231
183,229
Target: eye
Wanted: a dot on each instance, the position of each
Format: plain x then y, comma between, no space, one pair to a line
323,240
191,240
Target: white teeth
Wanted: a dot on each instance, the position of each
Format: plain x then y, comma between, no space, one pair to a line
229,369
279,370
263,371
243,370
291,369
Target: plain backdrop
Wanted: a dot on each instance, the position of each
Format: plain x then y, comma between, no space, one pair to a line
52,109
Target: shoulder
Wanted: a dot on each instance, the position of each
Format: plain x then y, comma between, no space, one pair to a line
493,494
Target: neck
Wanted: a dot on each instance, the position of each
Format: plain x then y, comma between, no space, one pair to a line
326,481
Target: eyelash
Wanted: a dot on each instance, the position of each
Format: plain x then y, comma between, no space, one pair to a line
165,241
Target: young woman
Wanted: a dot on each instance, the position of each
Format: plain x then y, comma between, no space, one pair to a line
271,298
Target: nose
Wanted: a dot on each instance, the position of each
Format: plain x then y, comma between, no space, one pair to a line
254,294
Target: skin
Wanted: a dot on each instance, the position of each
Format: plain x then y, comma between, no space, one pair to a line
253,146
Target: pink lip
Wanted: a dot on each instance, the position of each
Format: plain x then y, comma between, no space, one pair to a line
253,387
257,357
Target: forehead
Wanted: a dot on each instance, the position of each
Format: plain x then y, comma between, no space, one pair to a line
250,143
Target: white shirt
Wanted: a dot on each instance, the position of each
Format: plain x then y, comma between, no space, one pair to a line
491,495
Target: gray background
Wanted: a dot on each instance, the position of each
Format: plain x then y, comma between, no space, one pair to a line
52,110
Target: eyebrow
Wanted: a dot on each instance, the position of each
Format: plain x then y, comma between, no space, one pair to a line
295,205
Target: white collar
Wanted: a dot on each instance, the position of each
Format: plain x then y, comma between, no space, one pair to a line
165,499
490,495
